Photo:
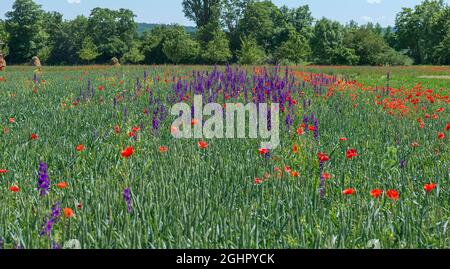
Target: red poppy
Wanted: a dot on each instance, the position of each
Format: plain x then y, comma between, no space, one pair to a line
287,169
79,148
202,145
12,120
439,110
351,153
301,131
126,153
263,151
323,157
258,181
295,148
136,129
343,139
447,127
163,149
349,192
62,185
429,187
34,137
3,171
117,129
131,134
295,174
173,130
393,194
312,128
68,213
376,193
194,122
326,176
441,135
101,88
14,189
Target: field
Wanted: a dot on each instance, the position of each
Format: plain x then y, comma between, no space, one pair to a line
363,160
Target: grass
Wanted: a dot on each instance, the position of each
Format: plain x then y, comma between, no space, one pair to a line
193,198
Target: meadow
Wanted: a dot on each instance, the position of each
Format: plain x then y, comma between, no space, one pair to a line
87,159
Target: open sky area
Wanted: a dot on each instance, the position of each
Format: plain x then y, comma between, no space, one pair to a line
170,11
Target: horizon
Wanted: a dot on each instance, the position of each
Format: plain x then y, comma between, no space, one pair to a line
361,11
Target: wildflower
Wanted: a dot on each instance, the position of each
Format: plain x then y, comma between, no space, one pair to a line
393,194
12,120
326,176
53,218
202,145
376,193
447,128
194,122
263,151
163,149
79,148
3,171
295,149
127,198
300,131
126,153
349,192
62,185
287,169
323,157
117,129
43,180
295,174
131,134
68,213
34,136
258,181
430,187
312,128
101,88
343,139
351,153
14,189
441,135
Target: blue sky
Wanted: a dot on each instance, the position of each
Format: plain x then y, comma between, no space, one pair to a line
170,11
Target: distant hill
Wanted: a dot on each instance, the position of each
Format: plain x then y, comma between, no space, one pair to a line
149,26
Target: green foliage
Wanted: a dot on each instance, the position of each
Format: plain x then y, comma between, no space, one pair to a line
202,12
178,46
134,55
89,50
218,49
24,25
250,53
295,50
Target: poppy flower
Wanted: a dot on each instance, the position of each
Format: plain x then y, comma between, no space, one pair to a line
131,134
323,157
101,88
173,130
194,122
295,174
429,187
258,181
263,151
376,193
300,131
62,185
126,153
440,110
326,176
447,127
351,153
202,145
163,149
312,128
287,169
441,135
34,136
415,145
117,129
14,189
349,192
136,129
79,148
68,213
295,148
393,194
12,120
3,171
343,139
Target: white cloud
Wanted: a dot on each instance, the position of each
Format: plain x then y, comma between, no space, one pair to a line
374,2
73,1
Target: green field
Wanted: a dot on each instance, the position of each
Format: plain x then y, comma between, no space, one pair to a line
190,197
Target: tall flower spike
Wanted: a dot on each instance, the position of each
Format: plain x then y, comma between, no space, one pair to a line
127,198
43,179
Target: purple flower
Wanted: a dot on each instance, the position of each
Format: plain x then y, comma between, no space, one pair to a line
43,180
322,181
55,246
127,198
54,217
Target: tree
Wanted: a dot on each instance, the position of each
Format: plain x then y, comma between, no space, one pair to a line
134,55
294,50
89,50
202,12
24,25
179,47
300,18
218,49
3,39
250,53
420,29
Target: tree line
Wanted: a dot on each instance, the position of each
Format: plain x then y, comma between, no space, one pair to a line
227,31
